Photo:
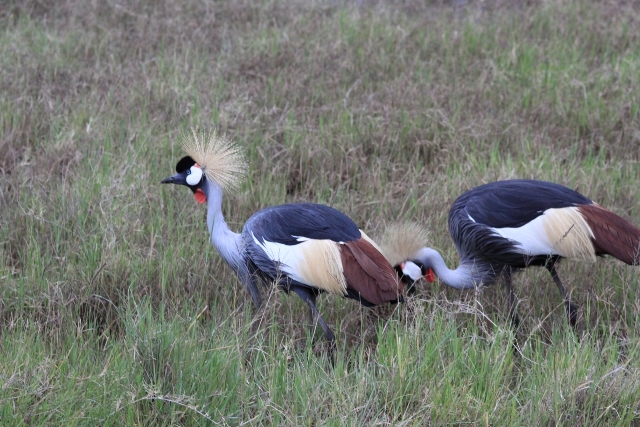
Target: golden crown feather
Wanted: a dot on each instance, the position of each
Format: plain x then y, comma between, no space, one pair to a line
221,159
401,241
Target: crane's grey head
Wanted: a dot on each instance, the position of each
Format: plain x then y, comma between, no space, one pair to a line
190,174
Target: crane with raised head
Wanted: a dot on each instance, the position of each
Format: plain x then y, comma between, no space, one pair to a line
304,248
505,226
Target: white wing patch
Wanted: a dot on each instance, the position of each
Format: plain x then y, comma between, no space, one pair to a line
560,231
312,262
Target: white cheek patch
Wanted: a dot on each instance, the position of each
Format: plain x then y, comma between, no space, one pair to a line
195,176
412,270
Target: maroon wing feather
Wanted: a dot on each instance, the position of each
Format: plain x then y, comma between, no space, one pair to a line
369,273
613,235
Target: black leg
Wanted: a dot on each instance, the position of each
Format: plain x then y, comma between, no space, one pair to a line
571,308
308,297
312,313
511,298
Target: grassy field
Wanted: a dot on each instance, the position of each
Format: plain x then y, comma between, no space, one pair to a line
116,310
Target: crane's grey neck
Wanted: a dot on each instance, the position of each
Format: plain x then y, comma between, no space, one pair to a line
466,276
225,241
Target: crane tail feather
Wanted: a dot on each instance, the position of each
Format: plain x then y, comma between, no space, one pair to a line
368,273
612,234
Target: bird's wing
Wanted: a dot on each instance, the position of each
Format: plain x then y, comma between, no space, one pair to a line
369,276
286,224
300,241
612,234
318,246
515,203
505,220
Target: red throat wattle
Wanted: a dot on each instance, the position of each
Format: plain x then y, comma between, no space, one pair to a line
200,196
430,276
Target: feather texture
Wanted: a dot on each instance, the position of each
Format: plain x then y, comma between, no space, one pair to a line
612,234
561,231
319,247
368,274
315,263
517,202
287,223
570,234
220,158
400,242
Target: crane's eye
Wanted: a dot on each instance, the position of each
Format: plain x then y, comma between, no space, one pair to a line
194,175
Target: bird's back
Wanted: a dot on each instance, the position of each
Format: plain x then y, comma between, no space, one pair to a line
321,247
476,214
514,203
523,222
313,221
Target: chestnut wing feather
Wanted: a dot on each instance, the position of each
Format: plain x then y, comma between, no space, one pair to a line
369,274
613,235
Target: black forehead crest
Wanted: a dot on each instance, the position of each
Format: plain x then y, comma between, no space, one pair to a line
184,164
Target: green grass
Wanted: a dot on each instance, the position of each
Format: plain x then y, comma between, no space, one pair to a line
115,309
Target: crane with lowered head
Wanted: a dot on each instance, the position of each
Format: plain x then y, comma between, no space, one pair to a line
505,226
304,248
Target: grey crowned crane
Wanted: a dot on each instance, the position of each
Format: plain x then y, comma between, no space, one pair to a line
303,248
505,226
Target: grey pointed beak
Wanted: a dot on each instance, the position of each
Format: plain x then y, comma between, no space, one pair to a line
173,179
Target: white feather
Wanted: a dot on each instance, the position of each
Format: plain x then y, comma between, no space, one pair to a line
561,231
531,238
412,270
312,262
287,256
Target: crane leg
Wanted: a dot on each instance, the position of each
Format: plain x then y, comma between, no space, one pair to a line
310,298
512,300
571,308
312,313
